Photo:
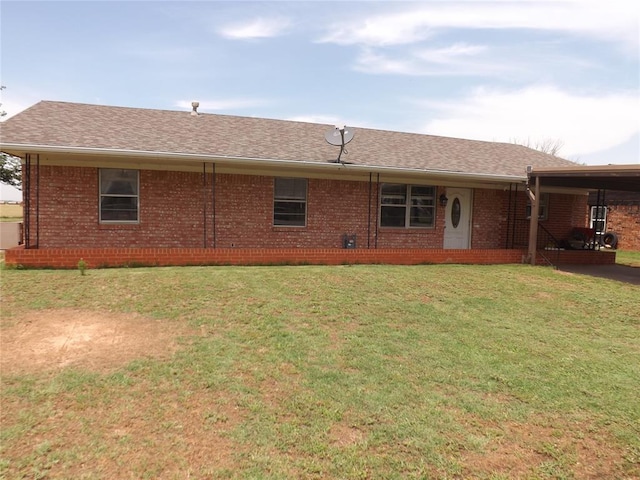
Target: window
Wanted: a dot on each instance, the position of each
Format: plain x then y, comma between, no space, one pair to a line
118,195
407,206
543,213
290,202
598,219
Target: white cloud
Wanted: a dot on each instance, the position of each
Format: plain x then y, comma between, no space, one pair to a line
456,59
584,123
257,28
615,20
371,62
380,30
455,51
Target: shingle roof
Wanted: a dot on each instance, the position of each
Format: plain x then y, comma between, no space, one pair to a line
61,124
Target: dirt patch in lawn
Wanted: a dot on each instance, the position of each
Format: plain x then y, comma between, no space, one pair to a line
99,341
556,445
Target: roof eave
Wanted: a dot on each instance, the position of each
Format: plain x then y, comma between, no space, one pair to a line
593,177
612,170
22,149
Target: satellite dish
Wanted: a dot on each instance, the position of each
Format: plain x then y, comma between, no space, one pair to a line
339,136
335,136
348,134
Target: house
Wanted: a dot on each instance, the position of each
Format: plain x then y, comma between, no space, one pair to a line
118,185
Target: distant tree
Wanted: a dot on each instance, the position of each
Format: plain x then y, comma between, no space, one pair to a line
11,171
548,145
10,167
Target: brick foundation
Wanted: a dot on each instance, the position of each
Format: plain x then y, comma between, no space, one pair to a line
114,257
577,257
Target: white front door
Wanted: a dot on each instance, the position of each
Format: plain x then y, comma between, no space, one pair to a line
457,225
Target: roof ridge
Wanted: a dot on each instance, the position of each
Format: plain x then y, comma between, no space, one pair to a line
110,128
289,121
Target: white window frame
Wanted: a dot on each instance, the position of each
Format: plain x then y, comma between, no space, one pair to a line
409,198
290,199
104,195
593,220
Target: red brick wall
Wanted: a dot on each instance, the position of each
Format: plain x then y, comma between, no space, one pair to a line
489,221
624,221
180,210
244,214
492,220
171,211
565,213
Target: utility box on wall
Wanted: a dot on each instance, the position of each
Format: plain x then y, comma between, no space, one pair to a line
349,241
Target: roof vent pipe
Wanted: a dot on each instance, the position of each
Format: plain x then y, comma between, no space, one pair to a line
195,106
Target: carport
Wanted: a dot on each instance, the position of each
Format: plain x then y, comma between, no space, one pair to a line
624,178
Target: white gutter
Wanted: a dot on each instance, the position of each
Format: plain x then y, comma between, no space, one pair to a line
262,162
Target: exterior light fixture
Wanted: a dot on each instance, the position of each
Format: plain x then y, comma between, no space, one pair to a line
443,200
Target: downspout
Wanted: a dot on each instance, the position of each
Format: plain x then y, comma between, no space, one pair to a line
213,202
204,205
506,244
515,217
377,203
533,224
38,200
369,214
26,199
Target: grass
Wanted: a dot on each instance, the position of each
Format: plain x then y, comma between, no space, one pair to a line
337,372
10,212
628,257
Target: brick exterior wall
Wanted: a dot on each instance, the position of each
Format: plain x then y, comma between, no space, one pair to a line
244,214
497,218
489,219
64,213
190,210
183,210
624,221
565,213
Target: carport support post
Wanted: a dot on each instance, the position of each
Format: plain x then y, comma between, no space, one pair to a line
533,224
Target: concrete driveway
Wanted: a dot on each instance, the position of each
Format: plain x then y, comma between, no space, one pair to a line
621,273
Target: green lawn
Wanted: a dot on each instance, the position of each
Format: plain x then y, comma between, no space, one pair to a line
350,372
628,257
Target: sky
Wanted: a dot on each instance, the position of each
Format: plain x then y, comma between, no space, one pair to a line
561,72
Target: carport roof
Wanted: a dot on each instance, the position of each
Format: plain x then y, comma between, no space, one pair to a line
624,178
